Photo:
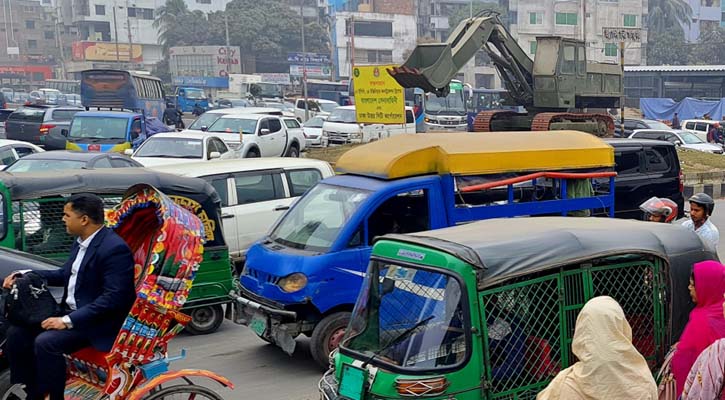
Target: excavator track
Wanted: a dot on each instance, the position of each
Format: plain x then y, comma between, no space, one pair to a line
605,123
483,120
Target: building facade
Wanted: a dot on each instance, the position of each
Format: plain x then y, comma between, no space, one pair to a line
705,13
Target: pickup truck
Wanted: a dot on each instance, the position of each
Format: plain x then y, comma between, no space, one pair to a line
255,135
303,277
104,131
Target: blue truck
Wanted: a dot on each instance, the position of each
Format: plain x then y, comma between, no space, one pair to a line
305,275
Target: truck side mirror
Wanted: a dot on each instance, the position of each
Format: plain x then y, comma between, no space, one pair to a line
264,131
203,128
214,154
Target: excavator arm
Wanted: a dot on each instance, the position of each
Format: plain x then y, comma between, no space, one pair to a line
431,67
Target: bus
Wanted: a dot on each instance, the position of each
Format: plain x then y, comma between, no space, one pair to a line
64,86
111,88
328,90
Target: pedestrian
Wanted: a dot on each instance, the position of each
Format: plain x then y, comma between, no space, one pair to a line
608,366
98,282
701,208
197,111
714,135
170,115
180,119
676,122
706,323
659,210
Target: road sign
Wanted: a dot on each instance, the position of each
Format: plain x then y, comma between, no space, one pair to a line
379,99
626,35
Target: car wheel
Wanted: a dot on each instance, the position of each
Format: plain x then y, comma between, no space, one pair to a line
327,336
205,319
253,153
293,151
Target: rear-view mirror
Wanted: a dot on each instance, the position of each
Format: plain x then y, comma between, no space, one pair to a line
64,132
128,152
214,154
204,128
264,131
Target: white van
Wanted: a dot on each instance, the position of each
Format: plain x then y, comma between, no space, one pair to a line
700,127
341,127
254,192
315,107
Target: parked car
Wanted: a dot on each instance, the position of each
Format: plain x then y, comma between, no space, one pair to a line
4,114
231,103
313,130
699,127
314,107
259,135
645,168
65,159
208,118
632,124
46,96
286,111
341,127
259,197
684,139
20,97
175,147
34,123
12,150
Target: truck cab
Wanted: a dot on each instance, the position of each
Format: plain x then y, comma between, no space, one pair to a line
187,97
104,131
304,276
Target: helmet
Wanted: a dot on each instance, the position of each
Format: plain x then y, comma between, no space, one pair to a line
704,200
664,207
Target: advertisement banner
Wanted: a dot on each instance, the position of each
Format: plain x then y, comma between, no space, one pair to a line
204,60
282,79
105,51
379,99
313,71
309,58
201,81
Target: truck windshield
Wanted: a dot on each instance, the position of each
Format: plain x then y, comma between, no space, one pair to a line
98,128
408,317
195,94
318,217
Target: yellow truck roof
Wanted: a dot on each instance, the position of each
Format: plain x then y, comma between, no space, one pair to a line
476,154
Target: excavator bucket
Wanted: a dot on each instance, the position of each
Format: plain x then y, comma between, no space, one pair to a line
428,67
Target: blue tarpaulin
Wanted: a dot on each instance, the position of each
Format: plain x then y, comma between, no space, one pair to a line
688,108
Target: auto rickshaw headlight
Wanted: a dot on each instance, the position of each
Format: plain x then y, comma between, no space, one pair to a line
293,283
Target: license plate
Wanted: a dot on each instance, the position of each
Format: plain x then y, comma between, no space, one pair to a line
352,382
258,324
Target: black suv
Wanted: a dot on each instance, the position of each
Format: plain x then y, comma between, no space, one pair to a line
645,168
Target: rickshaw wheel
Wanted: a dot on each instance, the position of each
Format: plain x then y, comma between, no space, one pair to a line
205,319
327,336
184,392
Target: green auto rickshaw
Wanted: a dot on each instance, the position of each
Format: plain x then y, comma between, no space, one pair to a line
32,211
487,310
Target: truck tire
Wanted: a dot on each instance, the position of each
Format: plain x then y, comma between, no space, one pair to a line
253,153
205,319
327,336
293,151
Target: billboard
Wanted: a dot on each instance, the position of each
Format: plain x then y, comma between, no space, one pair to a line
201,81
313,71
379,99
209,61
106,51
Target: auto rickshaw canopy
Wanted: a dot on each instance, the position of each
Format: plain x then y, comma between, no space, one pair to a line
409,155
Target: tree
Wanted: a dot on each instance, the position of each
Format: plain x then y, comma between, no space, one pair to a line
665,15
711,47
668,48
168,16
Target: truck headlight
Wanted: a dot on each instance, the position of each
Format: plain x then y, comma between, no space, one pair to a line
293,283
325,134
354,136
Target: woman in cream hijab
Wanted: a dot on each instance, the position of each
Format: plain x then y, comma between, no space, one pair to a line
609,366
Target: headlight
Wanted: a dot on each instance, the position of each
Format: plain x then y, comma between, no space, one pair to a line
325,134
293,283
354,136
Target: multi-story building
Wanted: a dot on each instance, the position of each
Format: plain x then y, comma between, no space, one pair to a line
582,20
705,13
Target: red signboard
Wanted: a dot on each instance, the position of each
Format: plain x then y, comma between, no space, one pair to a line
32,72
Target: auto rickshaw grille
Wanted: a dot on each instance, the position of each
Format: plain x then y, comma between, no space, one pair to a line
530,322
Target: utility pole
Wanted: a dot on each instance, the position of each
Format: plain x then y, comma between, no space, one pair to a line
304,61
352,45
59,38
226,30
115,30
130,40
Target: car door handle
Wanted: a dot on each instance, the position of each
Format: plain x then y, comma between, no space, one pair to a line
281,208
227,216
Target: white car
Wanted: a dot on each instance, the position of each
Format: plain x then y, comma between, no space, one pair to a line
12,150
175,147
699,127
259,135
254,193
341,127
205,120
294,127
312,130
681,138
314,107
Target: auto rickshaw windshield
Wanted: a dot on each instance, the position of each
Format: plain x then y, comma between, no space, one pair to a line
410,318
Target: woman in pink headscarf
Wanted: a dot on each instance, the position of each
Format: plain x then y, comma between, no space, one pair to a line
706,324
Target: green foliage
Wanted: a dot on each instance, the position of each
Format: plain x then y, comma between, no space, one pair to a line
665,15
668,48
710,48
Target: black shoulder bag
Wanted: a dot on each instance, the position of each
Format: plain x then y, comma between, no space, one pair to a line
29,302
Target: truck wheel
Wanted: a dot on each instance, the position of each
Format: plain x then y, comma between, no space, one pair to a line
5,382
293,151
254,153
327,336
205,319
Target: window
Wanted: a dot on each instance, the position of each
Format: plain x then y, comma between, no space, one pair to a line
7,156
24,151
630,20
370,28
118,162
581,60
254,188
626,163
610,49
301,180
404,213
100,9
63,115
292,123
220,185
536,18
102,163
568,63
690,125
49,35
532,47
409,117
656,161
33,44
142,13
203,1
275,125
701,127
566,18
30,24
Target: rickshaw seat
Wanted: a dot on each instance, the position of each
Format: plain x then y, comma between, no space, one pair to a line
539,362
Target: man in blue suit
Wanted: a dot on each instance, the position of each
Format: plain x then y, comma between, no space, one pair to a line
98,294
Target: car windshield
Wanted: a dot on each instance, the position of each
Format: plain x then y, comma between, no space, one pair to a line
318,217
690,138
195,94
652,124
328,107
234,125
98,128
171,148
408,317
344,115
315,122
35,165
239,103
206,119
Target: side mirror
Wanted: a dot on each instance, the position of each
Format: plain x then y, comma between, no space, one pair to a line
214,154
264,131
203,128
64,132
128,152
678,143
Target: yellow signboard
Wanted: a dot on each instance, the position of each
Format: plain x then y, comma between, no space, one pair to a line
379,99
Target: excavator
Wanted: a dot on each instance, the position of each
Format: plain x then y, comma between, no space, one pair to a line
555,89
